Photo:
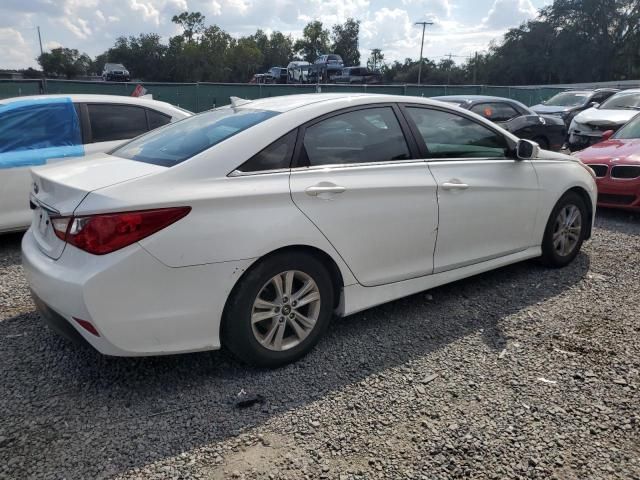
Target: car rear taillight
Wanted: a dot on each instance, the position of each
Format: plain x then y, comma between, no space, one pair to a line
106,233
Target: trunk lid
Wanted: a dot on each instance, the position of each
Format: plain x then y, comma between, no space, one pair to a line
58,189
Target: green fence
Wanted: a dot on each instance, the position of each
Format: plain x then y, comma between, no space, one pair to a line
198,97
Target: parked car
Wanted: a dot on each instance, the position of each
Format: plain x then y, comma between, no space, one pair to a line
115,72
616,164
358,75
326,68
588,126
50,128
276,75
251,225
567,105
547,131
258,78
297,71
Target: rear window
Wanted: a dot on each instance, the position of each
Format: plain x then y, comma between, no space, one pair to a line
177,142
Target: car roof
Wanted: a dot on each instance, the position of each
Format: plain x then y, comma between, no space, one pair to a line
85,97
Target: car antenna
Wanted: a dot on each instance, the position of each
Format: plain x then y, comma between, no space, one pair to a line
238,102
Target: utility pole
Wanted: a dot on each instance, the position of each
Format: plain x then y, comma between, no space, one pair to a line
450,55
424,25
40,40
475,69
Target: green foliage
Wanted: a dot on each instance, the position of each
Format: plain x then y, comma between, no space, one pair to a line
314,42
192,23
345,41
65,62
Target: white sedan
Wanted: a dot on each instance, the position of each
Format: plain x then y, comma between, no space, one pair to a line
249,226
43,129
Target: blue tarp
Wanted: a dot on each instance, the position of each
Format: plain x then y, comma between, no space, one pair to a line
32,131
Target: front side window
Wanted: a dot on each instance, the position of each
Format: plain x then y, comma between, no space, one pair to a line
361,136
111,122
496,112
182,140
448,135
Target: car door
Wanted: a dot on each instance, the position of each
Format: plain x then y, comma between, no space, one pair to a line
487,200
356,177
108,125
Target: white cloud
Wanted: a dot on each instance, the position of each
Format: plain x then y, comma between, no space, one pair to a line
509,13
15,51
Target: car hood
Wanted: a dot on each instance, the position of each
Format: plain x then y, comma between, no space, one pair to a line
603,117
551,109
618,151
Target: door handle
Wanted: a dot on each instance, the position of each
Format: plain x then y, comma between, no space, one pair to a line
320,189
454,186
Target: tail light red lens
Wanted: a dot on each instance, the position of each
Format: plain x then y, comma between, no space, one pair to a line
106,233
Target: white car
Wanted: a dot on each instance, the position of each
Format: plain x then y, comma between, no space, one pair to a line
250,225
50,128
588,126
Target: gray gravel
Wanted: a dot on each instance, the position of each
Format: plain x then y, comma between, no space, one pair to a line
519,373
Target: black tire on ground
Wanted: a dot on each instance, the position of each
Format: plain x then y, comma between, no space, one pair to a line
550,256
237,333
543,142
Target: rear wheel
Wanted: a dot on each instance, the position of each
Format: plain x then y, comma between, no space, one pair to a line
565,231
279,310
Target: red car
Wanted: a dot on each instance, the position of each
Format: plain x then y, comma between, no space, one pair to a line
616,163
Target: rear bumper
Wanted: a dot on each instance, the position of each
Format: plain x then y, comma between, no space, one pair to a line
138,305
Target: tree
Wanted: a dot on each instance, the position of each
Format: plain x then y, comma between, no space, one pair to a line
375,59
345,41
314,41
65,62
192,23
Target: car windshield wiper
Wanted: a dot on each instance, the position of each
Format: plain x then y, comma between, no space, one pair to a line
629,107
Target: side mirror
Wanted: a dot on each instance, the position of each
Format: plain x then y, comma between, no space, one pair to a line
607,135
594,105
527,150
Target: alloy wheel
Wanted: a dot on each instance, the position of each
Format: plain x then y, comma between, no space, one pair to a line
286,310
567,229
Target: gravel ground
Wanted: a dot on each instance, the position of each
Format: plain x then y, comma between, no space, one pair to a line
519,373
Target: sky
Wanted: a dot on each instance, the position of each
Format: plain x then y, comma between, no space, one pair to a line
461,27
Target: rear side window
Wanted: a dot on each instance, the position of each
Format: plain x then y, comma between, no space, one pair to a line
116,122
362,136
276,156
157,119
38,126
182,140
448,135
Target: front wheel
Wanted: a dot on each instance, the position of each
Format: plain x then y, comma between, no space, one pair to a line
279,310
565,232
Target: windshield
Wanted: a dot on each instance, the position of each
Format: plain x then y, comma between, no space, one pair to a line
623,101
568,99
177,142
630,130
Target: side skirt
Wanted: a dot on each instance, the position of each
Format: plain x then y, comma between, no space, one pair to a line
357,298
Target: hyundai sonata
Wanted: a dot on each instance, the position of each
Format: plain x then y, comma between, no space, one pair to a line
249,226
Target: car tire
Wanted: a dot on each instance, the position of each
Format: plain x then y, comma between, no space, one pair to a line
563,238
282,336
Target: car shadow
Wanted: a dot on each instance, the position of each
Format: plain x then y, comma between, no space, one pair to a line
58,400
10,249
